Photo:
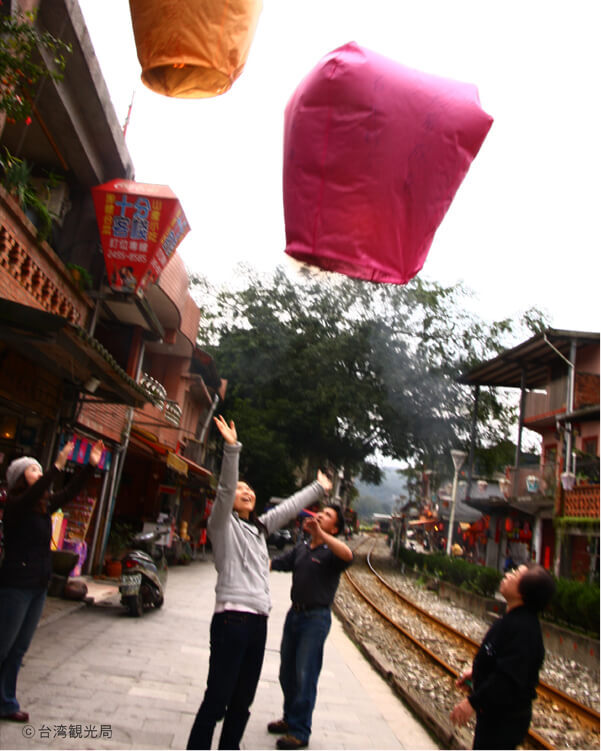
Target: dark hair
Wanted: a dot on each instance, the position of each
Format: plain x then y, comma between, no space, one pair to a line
253,518
339,517
20,486
536,587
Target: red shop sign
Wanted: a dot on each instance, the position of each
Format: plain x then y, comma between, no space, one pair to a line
140,226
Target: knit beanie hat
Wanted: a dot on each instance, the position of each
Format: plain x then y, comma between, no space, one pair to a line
16,469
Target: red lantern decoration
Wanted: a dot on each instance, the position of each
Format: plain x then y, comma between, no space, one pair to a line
373,155
508,525
140,226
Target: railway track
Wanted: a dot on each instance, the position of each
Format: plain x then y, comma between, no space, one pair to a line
449,650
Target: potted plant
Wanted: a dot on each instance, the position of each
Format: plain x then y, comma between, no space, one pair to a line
16,178
117,544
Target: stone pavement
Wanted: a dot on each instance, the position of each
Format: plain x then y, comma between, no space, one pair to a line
96,678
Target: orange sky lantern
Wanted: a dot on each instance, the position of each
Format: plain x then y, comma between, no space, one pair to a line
191,49
140,226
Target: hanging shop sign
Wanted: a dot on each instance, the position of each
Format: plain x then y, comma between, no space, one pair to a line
191,49
141,225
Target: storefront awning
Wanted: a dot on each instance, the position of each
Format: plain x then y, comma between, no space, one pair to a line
196,468
177,464
69,352
180,464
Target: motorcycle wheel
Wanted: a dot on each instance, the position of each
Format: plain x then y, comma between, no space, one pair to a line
158,603
134,604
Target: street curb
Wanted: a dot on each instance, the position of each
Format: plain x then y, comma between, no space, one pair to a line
64,610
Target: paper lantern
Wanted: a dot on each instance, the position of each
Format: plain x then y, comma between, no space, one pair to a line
373,155
141,225
193,48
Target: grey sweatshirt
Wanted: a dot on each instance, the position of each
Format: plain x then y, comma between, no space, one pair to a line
239,548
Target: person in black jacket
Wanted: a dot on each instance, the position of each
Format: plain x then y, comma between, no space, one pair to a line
504,675
27,565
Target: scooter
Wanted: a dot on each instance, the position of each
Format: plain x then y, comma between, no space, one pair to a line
144,574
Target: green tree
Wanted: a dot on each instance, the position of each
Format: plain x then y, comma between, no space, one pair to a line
332,369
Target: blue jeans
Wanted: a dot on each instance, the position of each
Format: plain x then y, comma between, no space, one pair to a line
20,611
237,650
301,657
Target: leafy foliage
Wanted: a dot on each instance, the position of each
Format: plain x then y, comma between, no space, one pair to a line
15,175
482,580
21,66
575,604
327,369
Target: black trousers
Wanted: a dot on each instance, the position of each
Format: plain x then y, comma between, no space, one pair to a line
237,649
501,731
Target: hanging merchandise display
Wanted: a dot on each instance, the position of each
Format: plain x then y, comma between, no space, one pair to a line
140,227
374,153
191,49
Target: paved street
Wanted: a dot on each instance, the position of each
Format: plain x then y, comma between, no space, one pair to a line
96,678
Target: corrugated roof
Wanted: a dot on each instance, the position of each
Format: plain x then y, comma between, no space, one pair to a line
534,357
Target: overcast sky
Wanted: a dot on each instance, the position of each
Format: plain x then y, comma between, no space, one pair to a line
523,229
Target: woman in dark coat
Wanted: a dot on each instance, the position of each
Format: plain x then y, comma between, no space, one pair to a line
27,565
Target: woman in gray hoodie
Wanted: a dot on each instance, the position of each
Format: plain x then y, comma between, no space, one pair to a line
242,601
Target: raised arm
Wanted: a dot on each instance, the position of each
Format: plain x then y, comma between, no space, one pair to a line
228,477
62,497
290,508
340,549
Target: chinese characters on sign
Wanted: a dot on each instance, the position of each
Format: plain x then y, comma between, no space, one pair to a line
140,227
46,732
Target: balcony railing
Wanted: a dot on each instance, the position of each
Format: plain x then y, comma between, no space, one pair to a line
157,391
553,401
170,409
582,502
43,279
548,403
531,481
173,412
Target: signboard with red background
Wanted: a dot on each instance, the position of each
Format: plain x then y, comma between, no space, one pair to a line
140,226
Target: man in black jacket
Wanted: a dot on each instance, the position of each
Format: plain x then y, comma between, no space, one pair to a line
504,674
316,567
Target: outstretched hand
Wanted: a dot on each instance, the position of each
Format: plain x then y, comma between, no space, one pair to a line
324,481
96,453
64,454
227,431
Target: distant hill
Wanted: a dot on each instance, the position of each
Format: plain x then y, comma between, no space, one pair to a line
379,499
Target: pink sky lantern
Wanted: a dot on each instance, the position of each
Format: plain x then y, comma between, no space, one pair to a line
373,154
